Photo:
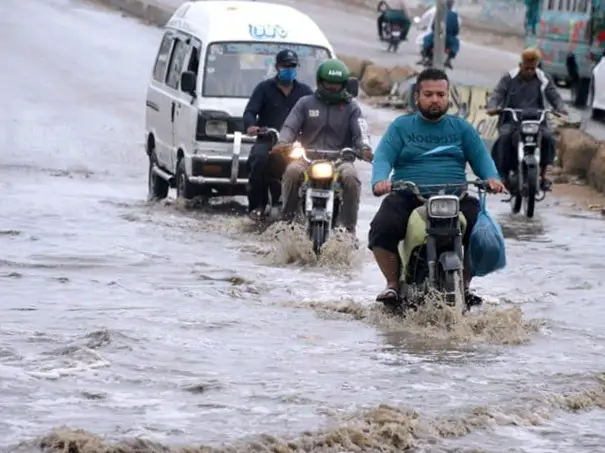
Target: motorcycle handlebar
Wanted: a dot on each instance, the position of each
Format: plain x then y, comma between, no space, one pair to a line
347,154
269,131
513,112
480,184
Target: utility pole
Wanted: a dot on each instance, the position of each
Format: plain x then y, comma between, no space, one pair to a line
439,35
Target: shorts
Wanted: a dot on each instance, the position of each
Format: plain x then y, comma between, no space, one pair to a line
389,225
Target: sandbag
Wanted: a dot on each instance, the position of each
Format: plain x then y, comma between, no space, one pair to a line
487,249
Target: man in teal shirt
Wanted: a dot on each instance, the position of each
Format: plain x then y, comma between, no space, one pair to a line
428,147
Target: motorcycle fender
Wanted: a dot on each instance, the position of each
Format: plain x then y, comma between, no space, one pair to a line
450,261
317,193
530,161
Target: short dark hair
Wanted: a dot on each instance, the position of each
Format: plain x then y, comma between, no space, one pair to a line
431,74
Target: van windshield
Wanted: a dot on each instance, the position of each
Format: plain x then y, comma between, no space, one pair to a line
233,69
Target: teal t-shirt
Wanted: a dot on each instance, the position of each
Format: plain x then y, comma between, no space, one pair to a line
430,153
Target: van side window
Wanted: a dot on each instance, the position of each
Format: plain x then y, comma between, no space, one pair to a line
194,57
176,64
161,61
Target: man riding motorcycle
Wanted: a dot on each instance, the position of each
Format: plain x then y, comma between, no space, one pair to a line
523,87
428,147
268,107
330,119
452,42
393,16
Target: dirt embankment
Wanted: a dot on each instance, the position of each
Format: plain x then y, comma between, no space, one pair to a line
581,157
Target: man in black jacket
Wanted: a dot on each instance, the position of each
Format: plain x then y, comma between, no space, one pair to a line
526,86
269,105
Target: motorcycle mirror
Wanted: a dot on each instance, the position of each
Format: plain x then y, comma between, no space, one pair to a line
352,86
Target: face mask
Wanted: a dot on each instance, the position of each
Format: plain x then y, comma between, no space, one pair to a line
287,74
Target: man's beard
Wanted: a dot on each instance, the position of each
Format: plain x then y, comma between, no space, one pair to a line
432,112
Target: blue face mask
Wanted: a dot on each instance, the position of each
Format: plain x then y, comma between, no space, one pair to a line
287,74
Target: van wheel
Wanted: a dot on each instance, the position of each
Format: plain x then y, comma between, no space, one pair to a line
158,187
184,189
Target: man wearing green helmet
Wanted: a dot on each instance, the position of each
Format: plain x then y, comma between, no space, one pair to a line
328,120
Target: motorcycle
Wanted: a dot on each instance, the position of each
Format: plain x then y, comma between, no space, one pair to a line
321,192
393,35
432,254
525,181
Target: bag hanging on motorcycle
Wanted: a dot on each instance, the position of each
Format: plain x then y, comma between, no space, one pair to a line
487,249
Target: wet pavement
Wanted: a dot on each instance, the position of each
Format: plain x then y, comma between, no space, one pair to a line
187,327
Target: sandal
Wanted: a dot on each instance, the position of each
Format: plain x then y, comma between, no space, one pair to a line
388,295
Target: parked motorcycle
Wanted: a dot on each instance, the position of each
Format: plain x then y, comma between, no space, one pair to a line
524,182
321,192
432,253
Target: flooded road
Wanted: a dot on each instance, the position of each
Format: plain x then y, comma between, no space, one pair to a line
186,327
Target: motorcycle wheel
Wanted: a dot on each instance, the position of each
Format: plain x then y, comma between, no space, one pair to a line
529,201
516,199
319,235
453,288
515,203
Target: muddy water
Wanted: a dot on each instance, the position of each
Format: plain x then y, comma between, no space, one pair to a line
186,326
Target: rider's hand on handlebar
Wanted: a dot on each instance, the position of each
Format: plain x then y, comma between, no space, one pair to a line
280,148
366,154
495,185
382,187
252,130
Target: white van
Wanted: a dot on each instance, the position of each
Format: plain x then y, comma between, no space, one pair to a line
211,57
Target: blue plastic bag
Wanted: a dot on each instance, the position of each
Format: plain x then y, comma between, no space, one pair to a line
487,249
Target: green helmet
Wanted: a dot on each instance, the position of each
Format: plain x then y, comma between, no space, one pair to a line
333,71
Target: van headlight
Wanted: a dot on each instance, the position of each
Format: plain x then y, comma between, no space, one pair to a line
530,128
321,170
216,128
443,207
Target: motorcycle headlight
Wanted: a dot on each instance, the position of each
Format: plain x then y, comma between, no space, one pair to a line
321,170
297,151
443,207
530,128
216,128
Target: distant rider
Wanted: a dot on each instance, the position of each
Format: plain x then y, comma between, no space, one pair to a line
269,105
330,119
526,86
428,147
452,42
398,15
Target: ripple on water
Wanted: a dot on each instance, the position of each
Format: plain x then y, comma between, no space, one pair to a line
383,429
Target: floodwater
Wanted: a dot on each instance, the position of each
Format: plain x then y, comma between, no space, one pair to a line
135,327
